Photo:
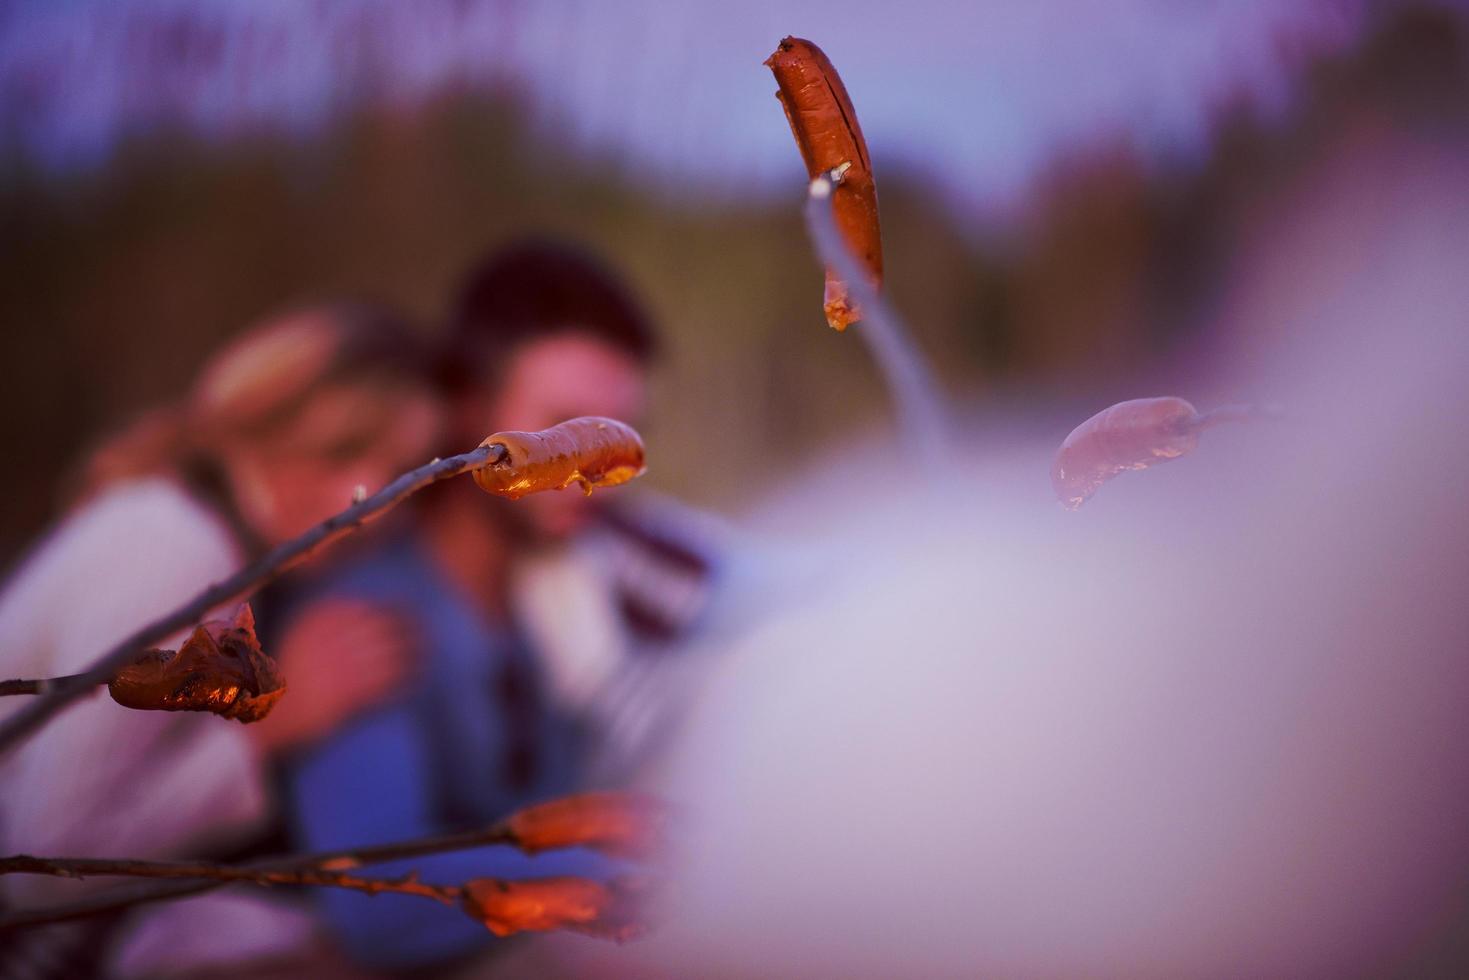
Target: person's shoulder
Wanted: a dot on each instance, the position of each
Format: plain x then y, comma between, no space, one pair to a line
132,518
157,519
138,508
150,503
124,556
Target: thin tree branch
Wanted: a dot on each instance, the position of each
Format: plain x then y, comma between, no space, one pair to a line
63,690
40,686
226,874
921,415
333,861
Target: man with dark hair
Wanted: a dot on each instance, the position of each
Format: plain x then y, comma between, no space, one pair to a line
530,290
548,628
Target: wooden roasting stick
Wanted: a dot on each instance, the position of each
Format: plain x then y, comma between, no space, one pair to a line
826,130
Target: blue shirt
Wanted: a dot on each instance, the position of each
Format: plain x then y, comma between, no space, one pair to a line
469,743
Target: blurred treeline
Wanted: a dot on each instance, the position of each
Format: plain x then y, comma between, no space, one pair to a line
117,283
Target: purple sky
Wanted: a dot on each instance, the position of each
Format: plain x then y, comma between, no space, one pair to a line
978,95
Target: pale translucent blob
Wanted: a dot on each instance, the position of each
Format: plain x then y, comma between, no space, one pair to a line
1131,435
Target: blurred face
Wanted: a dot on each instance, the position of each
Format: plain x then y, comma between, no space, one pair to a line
547,381
345,436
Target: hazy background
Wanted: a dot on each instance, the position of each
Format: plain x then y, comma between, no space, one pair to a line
1061,188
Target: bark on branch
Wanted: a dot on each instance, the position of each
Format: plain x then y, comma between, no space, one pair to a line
223,874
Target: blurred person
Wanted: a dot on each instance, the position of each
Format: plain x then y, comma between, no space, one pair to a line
551,624
603,585
276,434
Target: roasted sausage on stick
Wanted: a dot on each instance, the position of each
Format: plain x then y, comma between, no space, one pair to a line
591,451
825,126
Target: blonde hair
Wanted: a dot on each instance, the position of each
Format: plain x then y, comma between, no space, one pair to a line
255,388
